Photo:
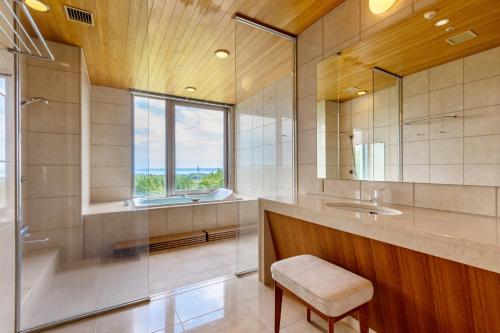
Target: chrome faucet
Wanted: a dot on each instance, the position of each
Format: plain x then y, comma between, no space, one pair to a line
376,196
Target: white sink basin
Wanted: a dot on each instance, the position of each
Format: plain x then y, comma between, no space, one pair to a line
364,208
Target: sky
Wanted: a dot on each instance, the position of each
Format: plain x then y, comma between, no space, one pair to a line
199,135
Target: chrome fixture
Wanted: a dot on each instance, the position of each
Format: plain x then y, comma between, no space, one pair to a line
34,100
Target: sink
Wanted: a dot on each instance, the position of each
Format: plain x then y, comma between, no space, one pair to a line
364,208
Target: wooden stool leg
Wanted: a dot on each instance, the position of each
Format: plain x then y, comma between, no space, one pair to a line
331,325
308,315
278,299
363,319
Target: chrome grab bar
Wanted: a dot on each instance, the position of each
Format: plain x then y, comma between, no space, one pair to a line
25,235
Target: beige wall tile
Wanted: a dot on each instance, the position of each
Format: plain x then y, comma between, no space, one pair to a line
110,194
446,100
416,173
7,278
482,121
416,106
53,181
418,131
446,151
104,134
157,221
67,58
310,43
205,217
101,176
446,75
482,65
180,219
415,84
227,214
124,226
308,181
479,93
248,212
114,114
447,174
68,240
92,236
448,127
394,192
416,152
53,149
307,84
55,117
343,188
110,95
341,24
53,213
306,113
482,149
465,199
54,85
110,155
307,147
482,174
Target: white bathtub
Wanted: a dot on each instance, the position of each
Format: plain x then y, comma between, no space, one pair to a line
219,195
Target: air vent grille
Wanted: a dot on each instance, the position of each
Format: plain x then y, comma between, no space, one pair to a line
461,38
79,15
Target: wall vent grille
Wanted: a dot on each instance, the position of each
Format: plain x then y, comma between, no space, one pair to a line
79,15
461,38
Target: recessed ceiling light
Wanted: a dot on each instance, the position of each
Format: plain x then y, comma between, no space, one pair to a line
221,53
430,14
361,92
380,6
449,29
37,5
442,22
191,89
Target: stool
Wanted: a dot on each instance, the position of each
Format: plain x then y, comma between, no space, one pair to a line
329,290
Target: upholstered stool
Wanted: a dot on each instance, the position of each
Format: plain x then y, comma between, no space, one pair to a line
329,290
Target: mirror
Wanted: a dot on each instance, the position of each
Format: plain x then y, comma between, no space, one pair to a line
396,107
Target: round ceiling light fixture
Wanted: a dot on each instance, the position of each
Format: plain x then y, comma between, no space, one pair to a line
37,5
221,53
442,22
380,6
361,92
191,89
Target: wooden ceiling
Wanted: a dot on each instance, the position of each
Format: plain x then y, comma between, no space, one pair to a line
411,46
165,45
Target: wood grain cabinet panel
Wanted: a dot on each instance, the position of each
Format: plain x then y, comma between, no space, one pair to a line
414,292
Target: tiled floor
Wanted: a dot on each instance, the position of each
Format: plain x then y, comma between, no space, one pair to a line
230,305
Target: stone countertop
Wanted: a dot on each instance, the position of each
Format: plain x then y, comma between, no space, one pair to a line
469,239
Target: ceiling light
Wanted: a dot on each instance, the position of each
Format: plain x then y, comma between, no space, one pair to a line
191,89
37,5
361,92
380,6
442,22
221,53
450,29
430,15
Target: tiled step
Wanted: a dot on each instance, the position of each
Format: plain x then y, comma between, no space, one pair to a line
38,269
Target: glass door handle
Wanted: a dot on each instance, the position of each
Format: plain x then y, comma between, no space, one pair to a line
36,241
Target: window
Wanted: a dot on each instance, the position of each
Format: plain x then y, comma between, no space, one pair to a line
150,139
199,148
178,147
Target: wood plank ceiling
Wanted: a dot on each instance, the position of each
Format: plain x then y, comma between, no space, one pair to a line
166,45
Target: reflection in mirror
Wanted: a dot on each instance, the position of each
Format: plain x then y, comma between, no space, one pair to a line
358,122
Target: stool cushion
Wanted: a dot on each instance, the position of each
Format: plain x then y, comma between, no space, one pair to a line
330,289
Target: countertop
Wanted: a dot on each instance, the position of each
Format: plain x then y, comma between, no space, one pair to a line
469,239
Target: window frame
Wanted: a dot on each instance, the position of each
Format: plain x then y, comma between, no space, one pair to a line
170,104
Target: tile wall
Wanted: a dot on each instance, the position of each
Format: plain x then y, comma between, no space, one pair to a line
110,144
461,147
264,128
52,149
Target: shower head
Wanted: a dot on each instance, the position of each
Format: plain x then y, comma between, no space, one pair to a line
34,100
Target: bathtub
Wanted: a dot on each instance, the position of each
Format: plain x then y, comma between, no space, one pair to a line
222,194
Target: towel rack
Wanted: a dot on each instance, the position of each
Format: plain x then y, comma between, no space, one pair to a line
418,120
19,39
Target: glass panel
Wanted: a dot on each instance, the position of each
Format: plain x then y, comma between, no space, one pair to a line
264,127
199,148
150,174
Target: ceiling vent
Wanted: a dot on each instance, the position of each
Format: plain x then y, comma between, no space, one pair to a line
79,15
461,38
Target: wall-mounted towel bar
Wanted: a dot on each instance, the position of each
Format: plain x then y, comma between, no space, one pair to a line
419,120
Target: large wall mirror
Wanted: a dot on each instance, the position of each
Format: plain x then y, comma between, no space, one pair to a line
415,102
